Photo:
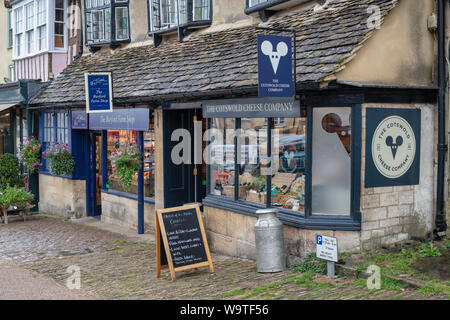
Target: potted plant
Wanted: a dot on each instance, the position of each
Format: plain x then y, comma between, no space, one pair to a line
15,199
29,154
125,163
10,171
61,160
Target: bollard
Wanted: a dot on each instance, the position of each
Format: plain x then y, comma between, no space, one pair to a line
270,256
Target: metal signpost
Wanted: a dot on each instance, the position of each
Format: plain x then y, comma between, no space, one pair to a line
327,249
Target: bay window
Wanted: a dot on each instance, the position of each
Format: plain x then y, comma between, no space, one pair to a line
30,27
167,15
107,21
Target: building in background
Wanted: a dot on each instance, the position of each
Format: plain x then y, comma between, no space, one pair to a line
45,37
6,43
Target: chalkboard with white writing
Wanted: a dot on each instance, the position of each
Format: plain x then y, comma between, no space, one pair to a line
184,237
183,244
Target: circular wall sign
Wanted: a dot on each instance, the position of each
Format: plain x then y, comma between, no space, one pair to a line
393,147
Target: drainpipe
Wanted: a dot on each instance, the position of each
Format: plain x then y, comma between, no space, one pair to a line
441,224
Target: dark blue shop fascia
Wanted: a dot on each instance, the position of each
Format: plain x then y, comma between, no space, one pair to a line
132,119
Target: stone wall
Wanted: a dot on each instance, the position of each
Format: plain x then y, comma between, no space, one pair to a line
61,196
233,234
394,214
124,212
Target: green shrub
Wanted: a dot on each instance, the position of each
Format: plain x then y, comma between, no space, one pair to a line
311,264
10,171
431,250
15,196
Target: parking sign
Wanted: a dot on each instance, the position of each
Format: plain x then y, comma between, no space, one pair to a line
326,248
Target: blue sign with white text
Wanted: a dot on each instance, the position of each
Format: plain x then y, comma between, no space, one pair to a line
98,92
275,69
137,119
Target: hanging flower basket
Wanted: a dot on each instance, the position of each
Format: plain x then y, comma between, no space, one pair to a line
125,162
61,160
29,154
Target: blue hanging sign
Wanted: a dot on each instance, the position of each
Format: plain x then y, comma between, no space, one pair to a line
275,69
99,94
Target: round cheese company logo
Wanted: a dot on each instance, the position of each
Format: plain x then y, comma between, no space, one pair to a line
393,147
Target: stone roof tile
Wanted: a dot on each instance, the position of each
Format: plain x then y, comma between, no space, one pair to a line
223,60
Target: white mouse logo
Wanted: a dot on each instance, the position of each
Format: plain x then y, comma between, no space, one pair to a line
275,56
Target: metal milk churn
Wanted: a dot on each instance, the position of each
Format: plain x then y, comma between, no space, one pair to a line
270,256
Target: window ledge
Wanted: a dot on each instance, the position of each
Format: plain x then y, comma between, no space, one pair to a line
47,173
343,223
264,6
193,24
127,195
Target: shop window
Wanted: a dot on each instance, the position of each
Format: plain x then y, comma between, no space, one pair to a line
304,180
331,161
170,14
222,157
253,145
100,27
287,176
117,140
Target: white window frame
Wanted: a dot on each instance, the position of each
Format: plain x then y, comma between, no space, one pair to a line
43,17
168,22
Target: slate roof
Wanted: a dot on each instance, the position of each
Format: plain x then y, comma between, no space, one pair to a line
226,60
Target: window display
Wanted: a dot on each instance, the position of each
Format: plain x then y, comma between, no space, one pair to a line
117,139
222,157
288,183
288,150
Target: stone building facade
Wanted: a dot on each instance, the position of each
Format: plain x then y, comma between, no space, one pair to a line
351,56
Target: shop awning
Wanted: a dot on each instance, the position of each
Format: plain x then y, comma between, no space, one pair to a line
6,106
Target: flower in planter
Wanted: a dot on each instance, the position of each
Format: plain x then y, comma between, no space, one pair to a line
15,197
125,162
29,154
61,160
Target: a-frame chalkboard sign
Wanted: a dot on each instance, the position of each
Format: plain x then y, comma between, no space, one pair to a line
181,240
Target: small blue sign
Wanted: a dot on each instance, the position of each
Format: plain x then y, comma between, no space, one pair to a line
319,240
275,69
79,119
99,96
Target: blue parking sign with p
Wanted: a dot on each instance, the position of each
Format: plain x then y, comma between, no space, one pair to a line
319,240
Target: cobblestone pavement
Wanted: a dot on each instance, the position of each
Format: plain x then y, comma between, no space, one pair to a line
121,269
43,237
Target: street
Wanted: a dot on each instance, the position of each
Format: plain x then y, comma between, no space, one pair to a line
114,265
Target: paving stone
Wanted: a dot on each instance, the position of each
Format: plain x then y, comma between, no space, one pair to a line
114,267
